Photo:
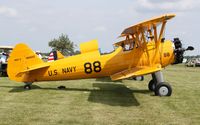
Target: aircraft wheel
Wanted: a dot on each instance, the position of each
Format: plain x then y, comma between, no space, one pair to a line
27,87
163,89
61,87
152,85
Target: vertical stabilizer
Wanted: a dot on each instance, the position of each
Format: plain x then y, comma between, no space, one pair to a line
21,58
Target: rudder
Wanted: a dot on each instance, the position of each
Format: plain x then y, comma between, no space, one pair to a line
21,58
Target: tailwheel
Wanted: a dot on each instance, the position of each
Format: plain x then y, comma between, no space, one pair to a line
27,87
163,89
152,85
61,87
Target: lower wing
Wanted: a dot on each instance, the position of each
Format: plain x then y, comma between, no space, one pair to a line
136,71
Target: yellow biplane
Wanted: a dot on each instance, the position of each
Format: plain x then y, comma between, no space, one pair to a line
143,51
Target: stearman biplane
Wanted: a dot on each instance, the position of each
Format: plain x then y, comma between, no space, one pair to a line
143,51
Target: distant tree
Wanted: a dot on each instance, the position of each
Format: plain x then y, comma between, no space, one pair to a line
63,44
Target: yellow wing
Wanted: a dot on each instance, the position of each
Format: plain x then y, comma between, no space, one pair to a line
145,31
146,24
136,71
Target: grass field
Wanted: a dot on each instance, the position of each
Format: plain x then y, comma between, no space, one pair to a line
93,102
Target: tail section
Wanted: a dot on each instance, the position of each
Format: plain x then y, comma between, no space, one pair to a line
21,59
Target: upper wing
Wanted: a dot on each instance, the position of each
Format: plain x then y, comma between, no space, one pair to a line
145,31
34,67
136,71
146,24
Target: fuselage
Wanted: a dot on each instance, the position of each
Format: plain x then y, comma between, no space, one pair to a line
94,65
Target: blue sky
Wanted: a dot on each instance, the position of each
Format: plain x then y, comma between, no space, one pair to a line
36,22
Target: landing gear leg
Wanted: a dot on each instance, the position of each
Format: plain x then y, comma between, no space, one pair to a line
158,85
152,83
27,85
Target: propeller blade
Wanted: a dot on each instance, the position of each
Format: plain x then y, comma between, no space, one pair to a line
190,48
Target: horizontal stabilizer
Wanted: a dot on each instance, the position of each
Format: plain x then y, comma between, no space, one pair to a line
136,71
34,67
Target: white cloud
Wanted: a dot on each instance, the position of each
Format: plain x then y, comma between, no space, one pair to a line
6,11
178,5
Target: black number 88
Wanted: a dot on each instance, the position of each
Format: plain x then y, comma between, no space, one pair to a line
96,66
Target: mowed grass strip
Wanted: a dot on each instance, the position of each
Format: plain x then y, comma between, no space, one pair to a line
100,102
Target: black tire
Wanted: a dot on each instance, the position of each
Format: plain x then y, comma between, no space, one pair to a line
61,87
152,85
27,87
163,89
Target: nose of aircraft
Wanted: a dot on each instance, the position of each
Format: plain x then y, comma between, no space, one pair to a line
179,51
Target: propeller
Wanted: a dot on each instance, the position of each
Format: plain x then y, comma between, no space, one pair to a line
190,48
179,50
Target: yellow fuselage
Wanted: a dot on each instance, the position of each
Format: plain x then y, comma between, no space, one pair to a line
93,64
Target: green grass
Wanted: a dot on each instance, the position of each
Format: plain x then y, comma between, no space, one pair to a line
94,102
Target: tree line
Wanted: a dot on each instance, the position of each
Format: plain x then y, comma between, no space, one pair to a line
64,45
